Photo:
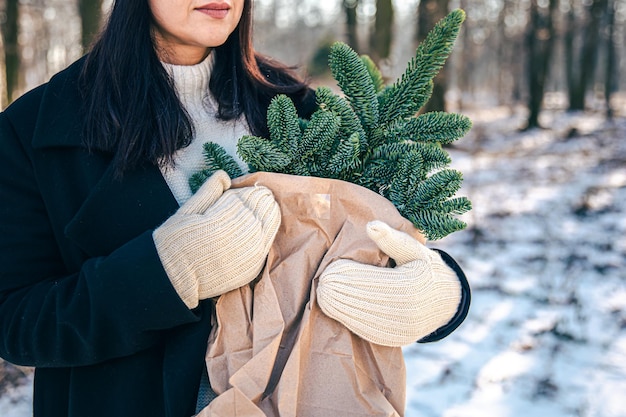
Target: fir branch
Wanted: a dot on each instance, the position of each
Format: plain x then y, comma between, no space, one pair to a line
377,175
456,206
319,136
215,158
438,187
381,166
407,180
373,137
433,155
392,132
283,124
199,178
355,81
297,167
435,225
346,159
440,127
374,72
262,155
407,96
395,151
327,100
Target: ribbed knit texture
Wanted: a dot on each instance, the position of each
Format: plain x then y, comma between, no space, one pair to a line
214,245
192,86
391,306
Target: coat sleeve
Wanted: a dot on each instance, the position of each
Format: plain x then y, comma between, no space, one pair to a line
113,306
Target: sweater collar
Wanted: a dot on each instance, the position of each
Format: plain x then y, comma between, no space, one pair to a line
191,81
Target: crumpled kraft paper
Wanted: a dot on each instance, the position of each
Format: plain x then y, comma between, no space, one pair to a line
273,352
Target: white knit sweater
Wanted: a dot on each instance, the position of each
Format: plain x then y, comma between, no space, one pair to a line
192,82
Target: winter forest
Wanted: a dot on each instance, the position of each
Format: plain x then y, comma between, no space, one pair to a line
544,83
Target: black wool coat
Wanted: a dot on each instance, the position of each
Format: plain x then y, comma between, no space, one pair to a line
83,295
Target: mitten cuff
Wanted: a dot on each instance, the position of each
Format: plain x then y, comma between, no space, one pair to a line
178,270
464,304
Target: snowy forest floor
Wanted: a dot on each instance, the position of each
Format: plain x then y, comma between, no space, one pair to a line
545,254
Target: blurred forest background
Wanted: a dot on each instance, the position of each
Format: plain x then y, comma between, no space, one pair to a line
568,54
544,82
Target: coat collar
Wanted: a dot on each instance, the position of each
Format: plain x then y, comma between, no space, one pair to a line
58,123
115,210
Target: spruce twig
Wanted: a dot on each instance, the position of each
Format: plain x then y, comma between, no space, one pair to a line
373,135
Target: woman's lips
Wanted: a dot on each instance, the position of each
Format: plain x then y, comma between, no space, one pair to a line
215,10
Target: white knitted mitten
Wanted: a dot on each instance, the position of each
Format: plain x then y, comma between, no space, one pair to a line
218,240
391,306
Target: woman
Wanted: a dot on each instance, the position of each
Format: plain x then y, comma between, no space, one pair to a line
104,281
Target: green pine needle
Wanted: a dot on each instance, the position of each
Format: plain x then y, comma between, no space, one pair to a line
406,180
199,178
283,124
215,158
435,225
371,136
355,81
456,206
438,187
433,155
374,72
319,136
416,82
440,127
327,100
262,155
346,158
377,175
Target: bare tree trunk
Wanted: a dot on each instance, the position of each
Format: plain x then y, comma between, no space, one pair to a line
571,69
539,43
429,12
610,80
589,55
510,52
11,49
382,37
535,79
519,53
349,7
503,56
466,67
90,17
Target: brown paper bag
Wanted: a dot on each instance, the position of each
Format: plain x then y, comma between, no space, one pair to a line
273,352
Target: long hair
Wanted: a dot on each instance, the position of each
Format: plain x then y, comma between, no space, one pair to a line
131,109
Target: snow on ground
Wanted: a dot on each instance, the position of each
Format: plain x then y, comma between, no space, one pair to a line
15,390
545,253
16,402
